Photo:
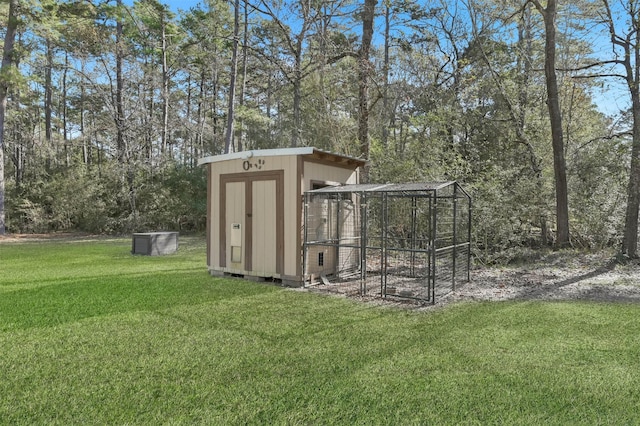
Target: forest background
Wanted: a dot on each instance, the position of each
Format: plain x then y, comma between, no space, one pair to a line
107,106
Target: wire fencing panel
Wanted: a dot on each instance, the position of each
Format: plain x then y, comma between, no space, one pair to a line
403,242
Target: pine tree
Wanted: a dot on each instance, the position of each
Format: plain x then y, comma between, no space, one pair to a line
8,61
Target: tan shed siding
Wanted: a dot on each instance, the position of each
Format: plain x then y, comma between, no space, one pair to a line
209,218
264,249
235,214
299,214
273,163
324,173
225,168
214,218
292,226
218,169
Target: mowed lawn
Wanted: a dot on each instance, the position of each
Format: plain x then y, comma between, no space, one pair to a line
90,334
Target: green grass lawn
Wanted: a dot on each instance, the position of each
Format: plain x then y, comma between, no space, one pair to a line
90,334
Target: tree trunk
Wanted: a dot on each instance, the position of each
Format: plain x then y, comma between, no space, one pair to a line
364,71
202,95
215,81
296,132
630,238
148,120
7,62
555,116
232,81
119,106
48,101
243,86
189,141
386,114
297,97
65,134
127,172
165,90
86,156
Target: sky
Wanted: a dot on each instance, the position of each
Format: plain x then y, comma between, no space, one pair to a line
180,4
174,4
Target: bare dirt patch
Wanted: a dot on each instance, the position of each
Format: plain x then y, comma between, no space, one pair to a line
60,236
555,276
12,238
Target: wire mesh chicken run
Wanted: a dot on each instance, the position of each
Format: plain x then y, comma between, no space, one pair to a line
408,241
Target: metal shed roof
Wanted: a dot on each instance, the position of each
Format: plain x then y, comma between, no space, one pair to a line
385,187
307,151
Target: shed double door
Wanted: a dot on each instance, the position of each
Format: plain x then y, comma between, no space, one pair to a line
253,234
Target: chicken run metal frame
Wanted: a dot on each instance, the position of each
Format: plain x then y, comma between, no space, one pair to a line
409,241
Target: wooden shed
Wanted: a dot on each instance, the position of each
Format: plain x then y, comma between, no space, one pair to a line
255,208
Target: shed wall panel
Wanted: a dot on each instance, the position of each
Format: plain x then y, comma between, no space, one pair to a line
291,221
213,250
331,175
235,210
264,248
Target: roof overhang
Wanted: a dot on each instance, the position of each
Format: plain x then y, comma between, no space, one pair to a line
396,189
309,153
385,187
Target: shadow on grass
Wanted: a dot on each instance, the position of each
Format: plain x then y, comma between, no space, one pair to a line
73,300
600,291
608,267
31,283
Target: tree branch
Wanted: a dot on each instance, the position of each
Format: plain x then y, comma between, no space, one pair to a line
593,65
587,76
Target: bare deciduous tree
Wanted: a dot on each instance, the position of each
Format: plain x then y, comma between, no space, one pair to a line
555,116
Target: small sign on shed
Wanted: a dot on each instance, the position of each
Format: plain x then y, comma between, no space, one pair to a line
154,243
